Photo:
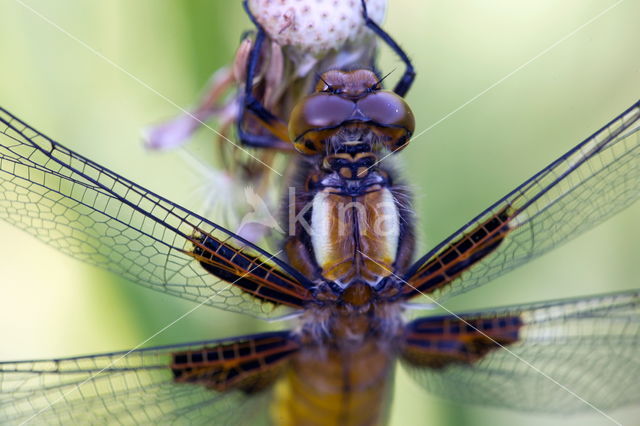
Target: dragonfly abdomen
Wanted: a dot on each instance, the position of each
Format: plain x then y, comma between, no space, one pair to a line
335,386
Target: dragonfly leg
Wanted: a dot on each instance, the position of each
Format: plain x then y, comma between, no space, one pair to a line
255,140
278,128
403,86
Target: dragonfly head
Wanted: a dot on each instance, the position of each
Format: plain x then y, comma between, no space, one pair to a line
348,103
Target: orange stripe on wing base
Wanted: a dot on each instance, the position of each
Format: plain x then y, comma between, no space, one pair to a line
459,256
437,342
249,365
253,274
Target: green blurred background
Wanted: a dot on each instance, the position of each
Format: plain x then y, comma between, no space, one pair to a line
54,306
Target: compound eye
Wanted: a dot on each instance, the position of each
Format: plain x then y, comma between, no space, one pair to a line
388,109
392,113
317,112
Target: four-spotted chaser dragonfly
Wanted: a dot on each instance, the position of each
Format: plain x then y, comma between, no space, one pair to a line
347,277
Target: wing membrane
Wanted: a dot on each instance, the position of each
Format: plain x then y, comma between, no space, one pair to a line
590,346
591,182
138,387
99,217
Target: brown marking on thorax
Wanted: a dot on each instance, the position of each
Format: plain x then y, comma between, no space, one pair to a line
357,242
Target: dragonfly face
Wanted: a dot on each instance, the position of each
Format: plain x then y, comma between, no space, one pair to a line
349,111
448,355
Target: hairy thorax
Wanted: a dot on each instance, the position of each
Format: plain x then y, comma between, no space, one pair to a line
348,225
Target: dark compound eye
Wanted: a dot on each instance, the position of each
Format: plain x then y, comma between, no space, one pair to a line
392,114
317,111
317,116
387,108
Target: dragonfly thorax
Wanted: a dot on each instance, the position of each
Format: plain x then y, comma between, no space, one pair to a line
350,224
355,316
350,165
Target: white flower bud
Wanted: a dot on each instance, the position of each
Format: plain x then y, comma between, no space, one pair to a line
315,26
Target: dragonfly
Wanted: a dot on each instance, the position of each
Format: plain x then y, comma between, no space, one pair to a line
468,356
275,65
334,367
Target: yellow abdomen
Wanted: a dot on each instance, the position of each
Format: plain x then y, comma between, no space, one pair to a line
334,387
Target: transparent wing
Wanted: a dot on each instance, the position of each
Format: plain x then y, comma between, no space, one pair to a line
591,182
585,348
135,387
99,217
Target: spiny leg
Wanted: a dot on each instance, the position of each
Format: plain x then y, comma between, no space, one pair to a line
276,126
403,86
